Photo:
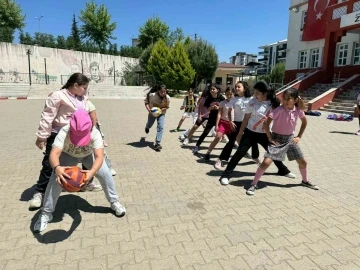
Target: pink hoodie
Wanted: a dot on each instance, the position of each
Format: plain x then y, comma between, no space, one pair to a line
59,107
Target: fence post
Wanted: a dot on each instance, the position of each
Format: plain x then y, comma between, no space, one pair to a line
114,71
46,77
28,52
82,67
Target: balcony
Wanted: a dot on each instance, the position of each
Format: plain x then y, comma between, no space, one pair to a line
263,60
264,53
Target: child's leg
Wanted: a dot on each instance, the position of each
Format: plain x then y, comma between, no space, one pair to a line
303,169
181,122
160,128
216,140
150,121
261,170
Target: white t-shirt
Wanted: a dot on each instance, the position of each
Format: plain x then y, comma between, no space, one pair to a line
90,107
238,104
225,110
259,112
62,141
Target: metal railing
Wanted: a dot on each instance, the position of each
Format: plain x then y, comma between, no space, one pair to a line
25,78
297,79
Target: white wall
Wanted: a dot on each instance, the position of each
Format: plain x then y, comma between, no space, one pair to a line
98,67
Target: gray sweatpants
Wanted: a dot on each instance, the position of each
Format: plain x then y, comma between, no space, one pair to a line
53,189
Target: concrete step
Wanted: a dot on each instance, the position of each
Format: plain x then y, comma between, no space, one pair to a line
351,112
330,106
341,104
344,100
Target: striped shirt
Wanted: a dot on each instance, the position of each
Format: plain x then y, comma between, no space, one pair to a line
190,104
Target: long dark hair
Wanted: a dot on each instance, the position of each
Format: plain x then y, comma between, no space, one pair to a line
246,86
154,89
78,78
263,87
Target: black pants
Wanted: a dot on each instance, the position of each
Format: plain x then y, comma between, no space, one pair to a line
46,170
226,152
210,124
248,139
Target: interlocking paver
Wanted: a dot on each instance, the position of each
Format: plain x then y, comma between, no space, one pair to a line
179,217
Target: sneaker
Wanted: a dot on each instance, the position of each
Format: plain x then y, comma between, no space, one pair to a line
236,145
182,137
290,175
42,222
225,139
106,144
224,181
92,187
36,200
247,155
157,147
207,157
112,171
120,210
257,161
251,190
219,165
358,133
195,150
185,142
309,185
147,130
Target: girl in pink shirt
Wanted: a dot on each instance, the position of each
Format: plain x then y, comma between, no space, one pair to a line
222,126
282,140
59,107
358,107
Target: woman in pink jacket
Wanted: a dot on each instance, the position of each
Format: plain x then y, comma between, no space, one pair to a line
59,108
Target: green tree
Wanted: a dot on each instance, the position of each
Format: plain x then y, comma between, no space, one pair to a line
130,51
45,40
25,38
276,76
203,59
61,42
175,36
158,64
153,30
145,56
75,34
180,73
88,46
97,26
11,18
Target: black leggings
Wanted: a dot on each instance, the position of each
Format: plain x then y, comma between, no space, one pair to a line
226,152
359,113
248,139
210,124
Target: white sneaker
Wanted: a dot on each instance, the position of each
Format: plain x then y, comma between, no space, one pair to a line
112,171
182,137
42,222
36,200
120,210
185,142
225,139
92,187
224,181
290,175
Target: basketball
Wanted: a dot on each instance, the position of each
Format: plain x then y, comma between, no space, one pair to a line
155,111
77,178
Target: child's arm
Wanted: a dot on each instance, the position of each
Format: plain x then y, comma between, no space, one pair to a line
243,126
266,126
184,104
93,117
302,105
302,129
218,119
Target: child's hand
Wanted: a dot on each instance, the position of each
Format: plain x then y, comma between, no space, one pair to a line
296,140
233,125
61,175
216,128
40,143
163,110
182,107
271,141
89,175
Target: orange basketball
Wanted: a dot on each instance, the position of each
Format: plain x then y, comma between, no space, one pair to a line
76,179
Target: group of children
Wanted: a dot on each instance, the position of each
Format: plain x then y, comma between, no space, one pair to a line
245,118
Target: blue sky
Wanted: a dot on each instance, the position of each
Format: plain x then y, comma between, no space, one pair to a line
231,25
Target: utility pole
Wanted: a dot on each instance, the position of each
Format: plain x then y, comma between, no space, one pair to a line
39,18
195,37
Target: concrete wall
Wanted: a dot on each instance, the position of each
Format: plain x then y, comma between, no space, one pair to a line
60,64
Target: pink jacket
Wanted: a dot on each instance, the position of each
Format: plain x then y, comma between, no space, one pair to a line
57,112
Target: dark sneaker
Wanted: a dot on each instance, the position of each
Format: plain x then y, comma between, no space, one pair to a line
207,157
309,185
147,130
157,147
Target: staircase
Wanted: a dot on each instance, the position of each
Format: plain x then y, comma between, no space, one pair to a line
316,90
344,103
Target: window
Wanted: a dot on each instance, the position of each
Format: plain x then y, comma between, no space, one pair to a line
314,58
342,54
303,19
229,81
300,37
218,80
356,53
302,59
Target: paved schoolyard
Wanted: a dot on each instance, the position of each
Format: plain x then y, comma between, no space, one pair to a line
179,216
